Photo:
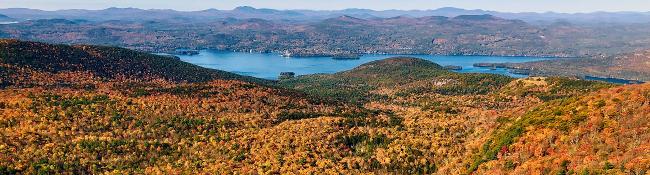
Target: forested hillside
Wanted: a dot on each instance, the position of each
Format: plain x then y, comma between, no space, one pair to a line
600,133
89,110
94,110
24,63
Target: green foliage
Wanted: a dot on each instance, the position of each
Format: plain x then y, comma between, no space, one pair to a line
421,76
565,87
608,166
554,88
284,116
44,167
324,86
472,84
510,165
368,119
8,170
140,93
363,144
564,168
600,103
68,102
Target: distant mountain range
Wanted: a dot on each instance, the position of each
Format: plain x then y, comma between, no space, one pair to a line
343,35
135,14
461,35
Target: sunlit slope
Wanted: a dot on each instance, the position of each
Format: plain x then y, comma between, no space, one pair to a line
605,132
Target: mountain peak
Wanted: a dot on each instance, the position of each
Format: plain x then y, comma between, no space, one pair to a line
349,18
245,8
210,10
450,9
398,62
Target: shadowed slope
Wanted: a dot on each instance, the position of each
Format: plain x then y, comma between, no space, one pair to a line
19,58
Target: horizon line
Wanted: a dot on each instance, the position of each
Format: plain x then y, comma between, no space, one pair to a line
325,10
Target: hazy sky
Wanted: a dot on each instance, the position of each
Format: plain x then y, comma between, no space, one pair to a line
499,5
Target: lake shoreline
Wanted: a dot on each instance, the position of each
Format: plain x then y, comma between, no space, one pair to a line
270,65
326,55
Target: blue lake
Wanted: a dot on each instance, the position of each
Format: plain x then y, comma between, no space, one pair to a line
269,65
613,80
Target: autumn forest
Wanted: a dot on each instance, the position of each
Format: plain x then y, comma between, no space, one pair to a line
82,109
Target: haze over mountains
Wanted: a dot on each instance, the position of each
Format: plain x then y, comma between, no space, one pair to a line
134,14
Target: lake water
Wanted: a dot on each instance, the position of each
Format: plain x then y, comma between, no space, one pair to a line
613,80
269,65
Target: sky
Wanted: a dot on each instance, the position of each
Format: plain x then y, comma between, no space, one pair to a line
567,6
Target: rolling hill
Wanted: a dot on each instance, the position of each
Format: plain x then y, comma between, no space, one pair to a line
395,76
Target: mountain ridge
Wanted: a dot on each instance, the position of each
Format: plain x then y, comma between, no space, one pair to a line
484,35
102,62
250,12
